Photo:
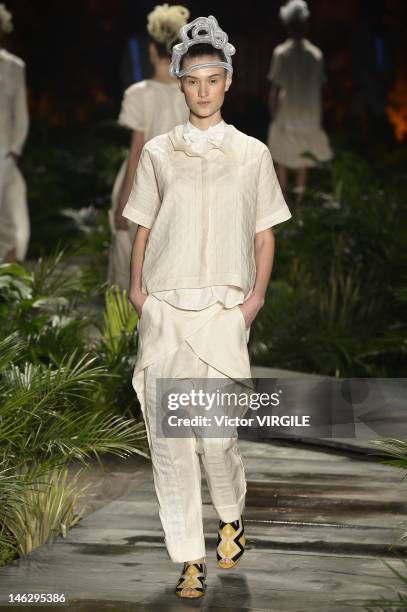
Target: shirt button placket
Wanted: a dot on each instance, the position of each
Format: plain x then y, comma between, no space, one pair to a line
205,219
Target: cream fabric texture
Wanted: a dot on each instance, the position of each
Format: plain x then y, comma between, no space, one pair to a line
297,68
13,103
197,299
153,108
201,141
204,210
14,122
211,343
7,225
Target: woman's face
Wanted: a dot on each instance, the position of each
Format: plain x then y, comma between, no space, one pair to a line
204,88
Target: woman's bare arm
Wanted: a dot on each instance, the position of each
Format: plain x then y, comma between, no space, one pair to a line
264,247
137,143
136,296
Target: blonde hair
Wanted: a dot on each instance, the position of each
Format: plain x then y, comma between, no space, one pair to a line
165,22
294,10
6,23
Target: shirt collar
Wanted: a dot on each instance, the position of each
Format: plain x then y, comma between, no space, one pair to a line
176,135
218,129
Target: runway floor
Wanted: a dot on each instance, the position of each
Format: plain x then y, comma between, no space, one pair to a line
319,522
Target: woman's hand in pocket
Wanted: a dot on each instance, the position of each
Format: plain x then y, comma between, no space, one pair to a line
138,298
250,308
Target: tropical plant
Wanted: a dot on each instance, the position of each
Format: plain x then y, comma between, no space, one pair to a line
397,604
337,298
117,351
51,414
397,457
68,168
44,307
54,414
45,509
92,244
396,450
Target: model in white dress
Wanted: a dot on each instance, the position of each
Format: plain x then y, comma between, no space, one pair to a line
150,107
14,219
296,74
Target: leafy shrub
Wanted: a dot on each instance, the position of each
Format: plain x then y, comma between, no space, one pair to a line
45,509
60,395
337,299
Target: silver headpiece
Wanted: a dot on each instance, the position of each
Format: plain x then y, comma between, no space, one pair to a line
212,34
294,10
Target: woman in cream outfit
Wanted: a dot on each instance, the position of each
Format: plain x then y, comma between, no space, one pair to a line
149,108
14,219
296,74
205,197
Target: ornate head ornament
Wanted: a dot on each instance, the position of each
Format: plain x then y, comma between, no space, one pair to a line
6,23
294,10
204,30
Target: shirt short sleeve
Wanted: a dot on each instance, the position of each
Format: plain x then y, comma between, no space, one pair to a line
271,206
144,200
275,73
132,113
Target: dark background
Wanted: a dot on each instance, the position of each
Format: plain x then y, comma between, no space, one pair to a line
338,299
75,59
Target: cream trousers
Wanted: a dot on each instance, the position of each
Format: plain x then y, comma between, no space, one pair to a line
175,343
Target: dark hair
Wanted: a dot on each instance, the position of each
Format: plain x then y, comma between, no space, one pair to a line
162,48
202,49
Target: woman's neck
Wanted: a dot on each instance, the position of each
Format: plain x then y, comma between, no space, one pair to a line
204,123
161,73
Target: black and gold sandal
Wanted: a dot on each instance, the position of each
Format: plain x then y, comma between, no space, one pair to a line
193,577
231,543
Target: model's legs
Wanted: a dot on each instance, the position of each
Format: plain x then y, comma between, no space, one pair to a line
225,474
222,461
223,340
220,346
220,362
300,183
176,469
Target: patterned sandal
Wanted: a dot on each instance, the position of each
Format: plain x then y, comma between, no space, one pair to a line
193,577
231,543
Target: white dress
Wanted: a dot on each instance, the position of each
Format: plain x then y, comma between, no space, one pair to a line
297,69
14,220
153,108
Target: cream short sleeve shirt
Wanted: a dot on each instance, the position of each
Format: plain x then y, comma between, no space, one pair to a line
203,210
198,299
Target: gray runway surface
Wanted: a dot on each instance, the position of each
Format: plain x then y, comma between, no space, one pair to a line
318,521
